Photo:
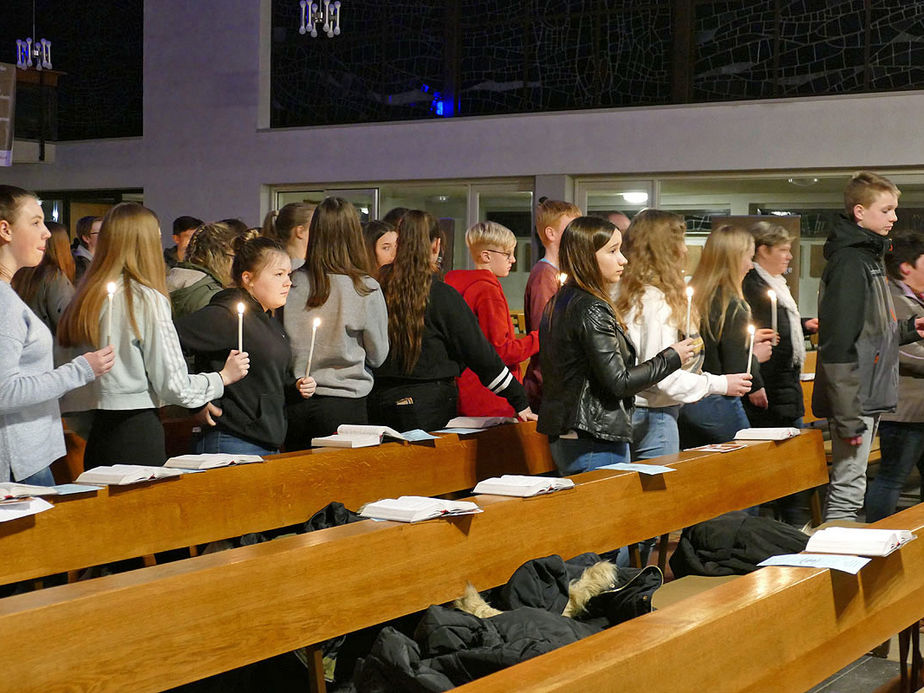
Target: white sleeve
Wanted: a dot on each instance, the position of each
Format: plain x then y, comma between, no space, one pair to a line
654,333
164,363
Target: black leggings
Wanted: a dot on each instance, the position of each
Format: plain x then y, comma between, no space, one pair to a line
427,405
320,415
129,436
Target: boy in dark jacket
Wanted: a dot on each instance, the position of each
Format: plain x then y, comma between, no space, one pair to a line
858,337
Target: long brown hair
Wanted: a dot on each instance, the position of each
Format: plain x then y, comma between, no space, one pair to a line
654,247
57,258
129,247
580,241
406,286
717,276
335,246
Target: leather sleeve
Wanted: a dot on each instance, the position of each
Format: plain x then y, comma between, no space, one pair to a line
607,364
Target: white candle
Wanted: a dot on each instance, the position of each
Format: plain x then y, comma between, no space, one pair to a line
750,346
240,327
689,306
562,278
772,294
314,333
110,289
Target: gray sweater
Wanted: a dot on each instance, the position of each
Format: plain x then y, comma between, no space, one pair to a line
31,434
352,334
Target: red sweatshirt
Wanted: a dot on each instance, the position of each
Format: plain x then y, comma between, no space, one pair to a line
485,296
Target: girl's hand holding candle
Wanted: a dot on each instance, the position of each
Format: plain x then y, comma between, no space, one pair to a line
306,386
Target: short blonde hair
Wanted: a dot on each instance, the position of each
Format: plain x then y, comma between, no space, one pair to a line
489,235
770,234
863,188
550,211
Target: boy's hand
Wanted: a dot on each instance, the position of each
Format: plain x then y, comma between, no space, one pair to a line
855,441
812,325
306,386
759,398
919,326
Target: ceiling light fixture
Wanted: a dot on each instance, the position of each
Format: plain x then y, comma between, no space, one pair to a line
312,15
635,197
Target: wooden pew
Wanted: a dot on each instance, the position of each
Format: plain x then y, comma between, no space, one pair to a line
125,522
777,629
169,624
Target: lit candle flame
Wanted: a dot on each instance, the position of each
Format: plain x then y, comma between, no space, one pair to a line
562,278
240,308
317,323
111,288
689,292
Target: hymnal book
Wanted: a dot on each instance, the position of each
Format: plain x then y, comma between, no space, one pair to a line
210,460
858,541
479,421
521,485
356,436
11,489
767,433
124,474
416,508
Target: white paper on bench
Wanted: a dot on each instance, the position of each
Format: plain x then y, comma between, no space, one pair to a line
29,506
846,564
650,469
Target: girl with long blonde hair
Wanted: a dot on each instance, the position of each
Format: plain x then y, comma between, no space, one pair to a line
433,337
31,435
652,296
590,370
149,369
724,319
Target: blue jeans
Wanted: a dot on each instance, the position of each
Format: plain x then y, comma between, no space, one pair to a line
654,432
576,455
714,419
902,446
42,477
216,440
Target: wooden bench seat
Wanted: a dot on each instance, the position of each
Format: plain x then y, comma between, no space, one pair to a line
777,629
166,625
126,522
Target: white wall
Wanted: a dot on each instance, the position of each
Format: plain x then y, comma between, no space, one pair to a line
203,154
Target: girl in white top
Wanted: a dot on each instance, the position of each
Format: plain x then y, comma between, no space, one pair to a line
653,299
31,434
149,368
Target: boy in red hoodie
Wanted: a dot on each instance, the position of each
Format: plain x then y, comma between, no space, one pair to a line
492,248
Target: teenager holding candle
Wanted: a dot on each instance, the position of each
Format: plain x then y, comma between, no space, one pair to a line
590,371
781,372
253,411
149,368
335,286
31,435
724,318
658,309
434,336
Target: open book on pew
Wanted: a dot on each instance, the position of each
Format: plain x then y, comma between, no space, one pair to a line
124,474
356,436
12,490
858,541
479,421
416,509
781,433
210,460
521,485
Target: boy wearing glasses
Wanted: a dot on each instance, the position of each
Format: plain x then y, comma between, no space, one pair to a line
492,249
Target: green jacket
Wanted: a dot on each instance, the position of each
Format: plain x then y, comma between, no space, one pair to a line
191,288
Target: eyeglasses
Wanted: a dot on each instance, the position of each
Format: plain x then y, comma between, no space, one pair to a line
509,256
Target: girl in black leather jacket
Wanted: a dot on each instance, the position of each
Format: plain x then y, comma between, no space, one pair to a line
590,375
